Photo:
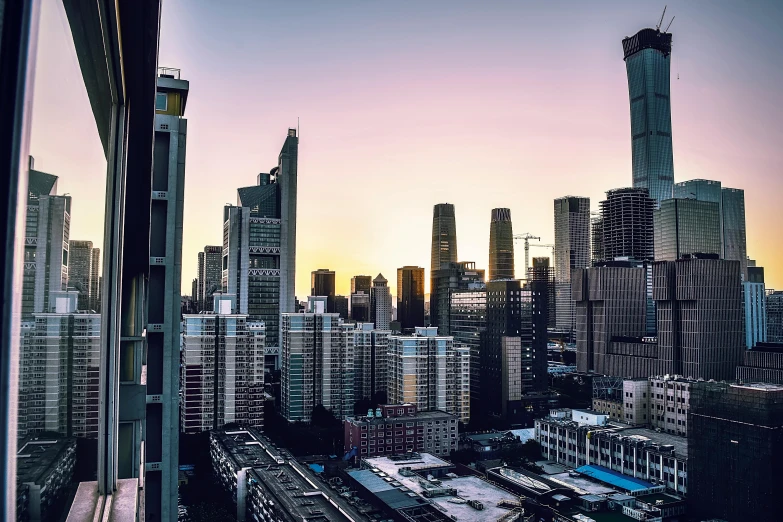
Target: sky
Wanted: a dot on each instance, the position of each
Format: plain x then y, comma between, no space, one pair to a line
402,105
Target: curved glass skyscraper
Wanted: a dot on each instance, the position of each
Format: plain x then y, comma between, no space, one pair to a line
647,62
444,236
501,245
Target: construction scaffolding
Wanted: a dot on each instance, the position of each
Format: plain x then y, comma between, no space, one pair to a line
607,388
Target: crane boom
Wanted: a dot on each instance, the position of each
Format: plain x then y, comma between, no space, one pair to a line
526,236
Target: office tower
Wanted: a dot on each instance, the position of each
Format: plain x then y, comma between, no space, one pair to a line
46,243
341,306
360,298
370,347
501,245
80,270
468,319
317,366
755,307
222,366
572,250
542,276
59,371
699,319
322,284
627,225
45,464
447,279
596,238
210,270
429,371
737,427
444,236
732,214
410,297
762,363
774,316
647,56
95,281
686,226
380,303
259,241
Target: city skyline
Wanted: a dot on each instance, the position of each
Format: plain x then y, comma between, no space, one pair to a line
504,90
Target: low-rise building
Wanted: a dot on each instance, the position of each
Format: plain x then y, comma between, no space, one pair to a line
44,469
267,486
656,457
393,429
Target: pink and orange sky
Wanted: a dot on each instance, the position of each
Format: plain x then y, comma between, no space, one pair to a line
407,104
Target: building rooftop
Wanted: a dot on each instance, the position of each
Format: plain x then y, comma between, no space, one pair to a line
392,465
761,386
614,478
422,415
38,453
581,484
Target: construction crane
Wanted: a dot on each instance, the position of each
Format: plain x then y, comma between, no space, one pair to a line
527,236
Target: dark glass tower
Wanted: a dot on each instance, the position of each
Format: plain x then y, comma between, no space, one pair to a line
360,298
647,56
501,245
444,236
410,297
322,284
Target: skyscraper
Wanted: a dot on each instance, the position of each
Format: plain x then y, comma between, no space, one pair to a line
360,298
259,241
627,224
755,307
429,371
647,56
210,268
444,236
732,215
95,281
370,347
541,278
468,319
47,235
322,284
572,250
774,316
222,365
501,245
448,278
410,297
80,270
686,226
317,365
380,303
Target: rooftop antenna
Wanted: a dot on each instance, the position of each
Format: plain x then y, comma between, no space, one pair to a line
297,118
670,24
658,27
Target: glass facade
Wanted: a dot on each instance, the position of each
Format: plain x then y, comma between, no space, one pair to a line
501,245
686,226
410,297
647,57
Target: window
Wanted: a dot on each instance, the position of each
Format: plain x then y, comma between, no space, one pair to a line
161,101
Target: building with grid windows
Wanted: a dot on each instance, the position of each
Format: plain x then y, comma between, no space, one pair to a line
210,270
80,271
380,303
647,56
501,245
686,226
451,277
317,365
467,320
360,298
222,367
572,250
429,371
626,225
370,347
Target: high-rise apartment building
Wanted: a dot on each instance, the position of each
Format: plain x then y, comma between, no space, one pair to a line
572,250
754,296
222,365
80,270
686,226
210,270
317,365
95,281
450,277
410,297
59,371
429,371
47,235
322,284
627,225
647,56
259,245
360,298
699,319
774,306
370,347
444,236
737,427
380,303
468,319
501,245
732,214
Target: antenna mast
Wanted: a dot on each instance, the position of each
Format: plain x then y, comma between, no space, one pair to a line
658,27
670,24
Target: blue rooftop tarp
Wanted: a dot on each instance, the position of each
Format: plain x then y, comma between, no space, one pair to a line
613,478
